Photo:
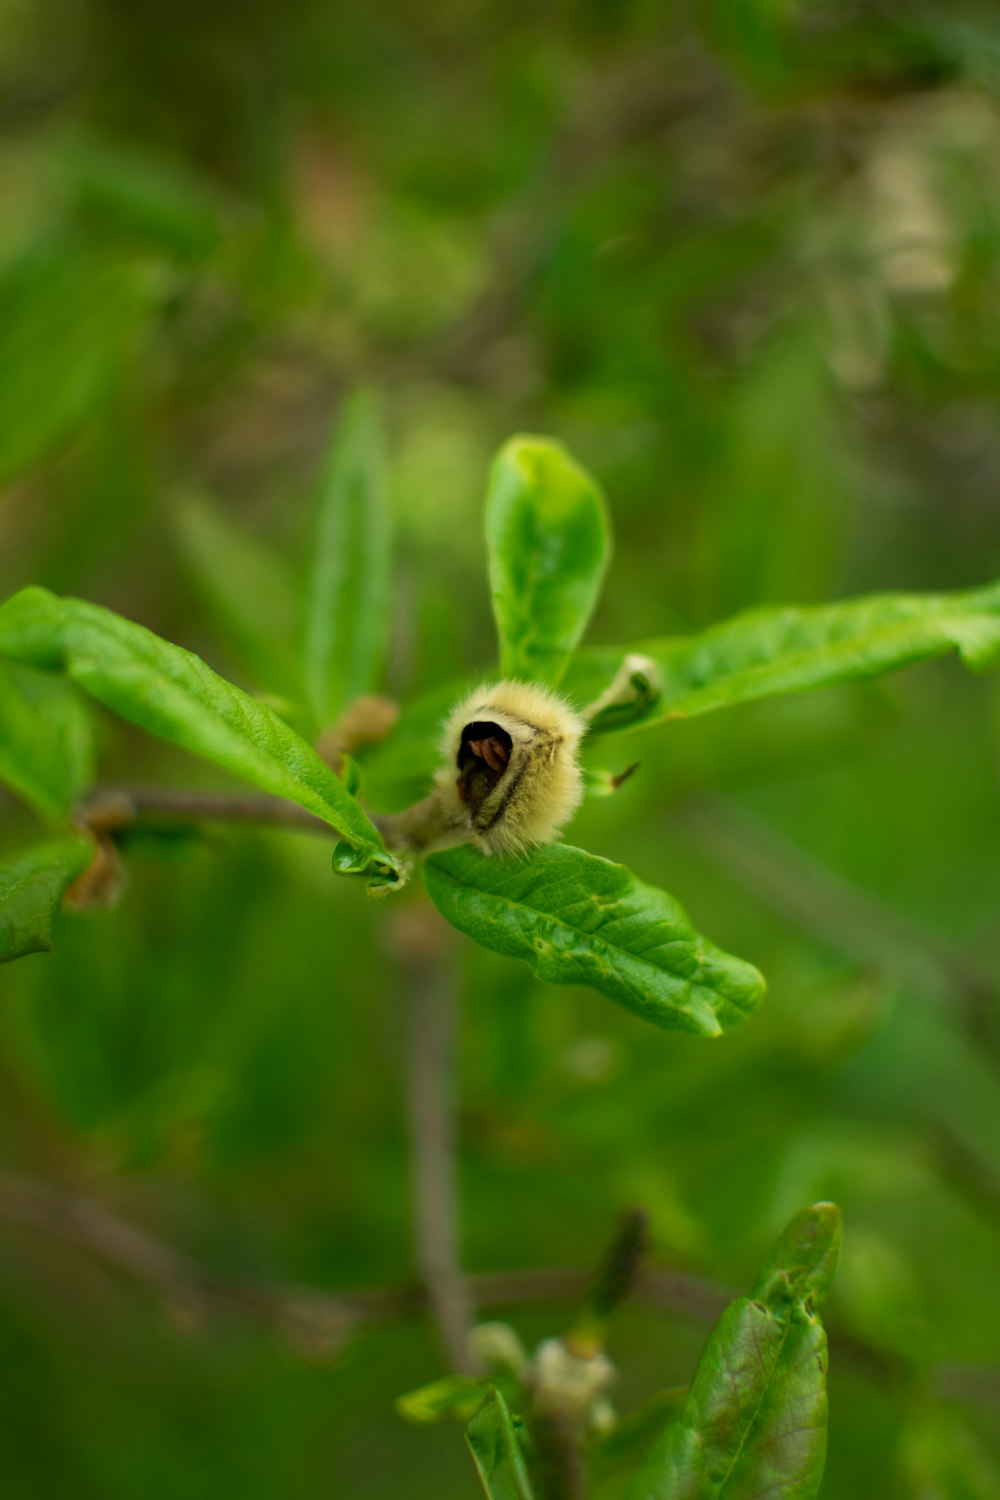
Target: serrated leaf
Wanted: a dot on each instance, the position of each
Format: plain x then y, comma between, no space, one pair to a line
31,887
578,919
173,694
496,1450
787,650
548,539
348,602
754,1421
245,586
45,743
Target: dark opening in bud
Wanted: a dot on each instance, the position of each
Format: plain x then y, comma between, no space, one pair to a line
483,757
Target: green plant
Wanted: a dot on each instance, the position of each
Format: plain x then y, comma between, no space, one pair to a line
573,916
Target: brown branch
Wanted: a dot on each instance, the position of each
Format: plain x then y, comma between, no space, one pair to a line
110,810
319,1323
422,944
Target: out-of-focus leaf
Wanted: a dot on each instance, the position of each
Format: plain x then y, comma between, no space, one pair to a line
579,919
68,322
788,650
348,602
45,743
453,1397
172,693
754,1421
31,888
879,1297
246,587
548,537
141,196
642,1425
399,769
496,1449
942,1459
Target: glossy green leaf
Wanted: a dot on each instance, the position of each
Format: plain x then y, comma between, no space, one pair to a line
172,693
548,538
496,1448
31,888
45,742
788,650
348,602
754,1421
246,588
579,919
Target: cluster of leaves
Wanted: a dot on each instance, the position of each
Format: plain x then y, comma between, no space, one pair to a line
573,916
752,1422
744,260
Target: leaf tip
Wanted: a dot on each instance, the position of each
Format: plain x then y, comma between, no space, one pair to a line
803,1260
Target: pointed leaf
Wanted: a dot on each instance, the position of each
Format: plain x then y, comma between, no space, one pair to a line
579,919
45,743
172,693
348,601
788,650
31,887
754,1421
496,1450
548,539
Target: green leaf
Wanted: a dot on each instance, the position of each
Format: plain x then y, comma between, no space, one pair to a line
31,888
45,742
496,1449
579,919
803,1260
754,1420
348,601
548,539
787,650
172,693
454,1396
246,588
68,324
944,1459
142,196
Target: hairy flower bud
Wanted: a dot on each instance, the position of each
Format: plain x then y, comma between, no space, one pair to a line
511,777
511,771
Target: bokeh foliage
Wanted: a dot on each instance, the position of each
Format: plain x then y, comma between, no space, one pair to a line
743,260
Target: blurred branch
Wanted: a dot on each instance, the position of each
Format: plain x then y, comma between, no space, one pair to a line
319,1324
429,993
836,911
110,810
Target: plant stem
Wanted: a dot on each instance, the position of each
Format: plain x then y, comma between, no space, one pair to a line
110,809
430,1047
319,1323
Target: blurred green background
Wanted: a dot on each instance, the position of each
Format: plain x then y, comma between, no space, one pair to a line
743,257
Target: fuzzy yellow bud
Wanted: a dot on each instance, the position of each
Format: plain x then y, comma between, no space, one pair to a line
511,776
